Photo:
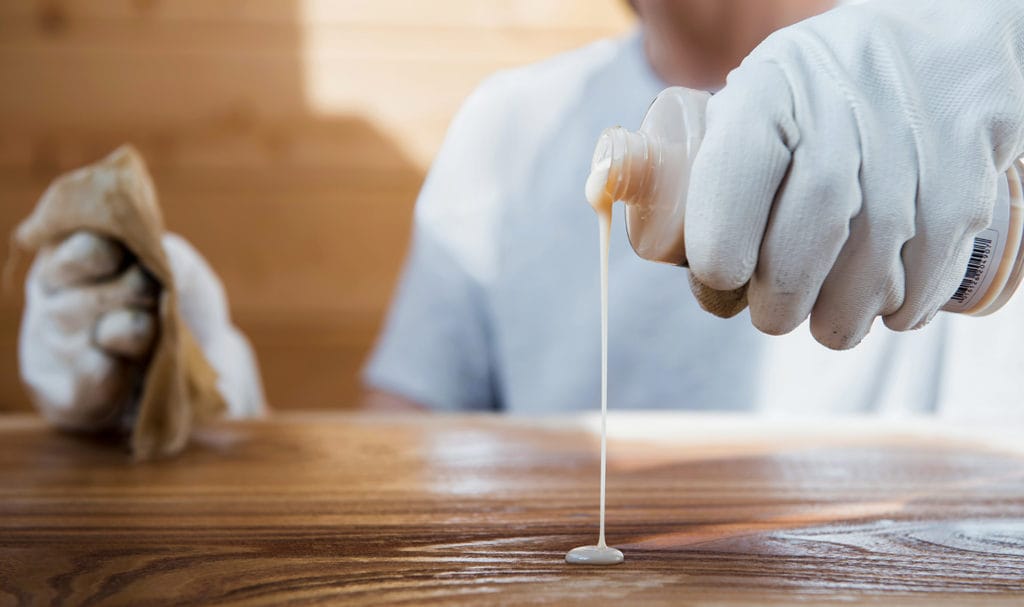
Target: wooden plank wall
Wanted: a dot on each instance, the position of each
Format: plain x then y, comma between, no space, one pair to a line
287,139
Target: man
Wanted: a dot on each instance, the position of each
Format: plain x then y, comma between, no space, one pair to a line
498,308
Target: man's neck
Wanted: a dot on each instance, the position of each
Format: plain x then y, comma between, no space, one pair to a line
699,46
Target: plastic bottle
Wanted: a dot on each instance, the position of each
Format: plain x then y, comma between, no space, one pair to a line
649,170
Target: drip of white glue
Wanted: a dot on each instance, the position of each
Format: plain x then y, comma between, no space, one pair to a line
601,200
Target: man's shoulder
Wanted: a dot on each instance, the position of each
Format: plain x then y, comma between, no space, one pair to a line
550,80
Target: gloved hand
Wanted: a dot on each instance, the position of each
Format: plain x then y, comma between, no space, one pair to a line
850,160
90,322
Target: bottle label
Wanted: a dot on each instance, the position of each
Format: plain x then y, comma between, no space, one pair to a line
989,248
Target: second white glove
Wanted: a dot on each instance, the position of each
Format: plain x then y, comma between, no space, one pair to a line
90,323
88,327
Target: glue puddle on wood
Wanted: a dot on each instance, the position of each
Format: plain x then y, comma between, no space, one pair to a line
601,200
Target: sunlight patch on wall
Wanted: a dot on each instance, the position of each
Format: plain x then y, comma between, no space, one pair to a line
407,65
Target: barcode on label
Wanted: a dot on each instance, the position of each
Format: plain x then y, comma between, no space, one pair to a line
980,257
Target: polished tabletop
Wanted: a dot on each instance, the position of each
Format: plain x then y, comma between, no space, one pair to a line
478,510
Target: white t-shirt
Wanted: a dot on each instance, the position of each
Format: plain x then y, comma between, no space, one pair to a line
498,306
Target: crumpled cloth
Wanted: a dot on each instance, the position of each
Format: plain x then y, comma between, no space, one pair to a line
115,198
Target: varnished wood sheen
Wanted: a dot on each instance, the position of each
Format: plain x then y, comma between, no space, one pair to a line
480,510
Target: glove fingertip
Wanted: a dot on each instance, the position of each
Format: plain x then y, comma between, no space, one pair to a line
836,336
82,257
128,333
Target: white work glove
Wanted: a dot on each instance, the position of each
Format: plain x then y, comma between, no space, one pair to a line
851,159
90,323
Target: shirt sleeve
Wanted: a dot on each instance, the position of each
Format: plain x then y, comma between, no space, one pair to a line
436,347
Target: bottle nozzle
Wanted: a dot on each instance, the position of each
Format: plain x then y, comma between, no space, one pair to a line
628,158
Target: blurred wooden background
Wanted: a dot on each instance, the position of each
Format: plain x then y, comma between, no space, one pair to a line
287,139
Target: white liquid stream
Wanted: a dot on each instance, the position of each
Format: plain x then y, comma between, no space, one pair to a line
601,200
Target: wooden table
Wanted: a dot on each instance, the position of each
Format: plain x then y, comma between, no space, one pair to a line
321,509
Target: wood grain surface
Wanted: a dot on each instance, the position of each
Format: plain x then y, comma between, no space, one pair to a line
325,509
